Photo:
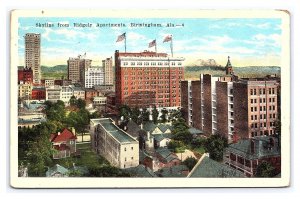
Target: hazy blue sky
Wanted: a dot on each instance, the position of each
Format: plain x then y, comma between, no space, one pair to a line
247,41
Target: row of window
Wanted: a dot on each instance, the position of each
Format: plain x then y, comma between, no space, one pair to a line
262,91
262,100
263,116
262,108
152,63
261,125
261,133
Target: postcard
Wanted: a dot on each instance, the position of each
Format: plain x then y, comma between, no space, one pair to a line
150,98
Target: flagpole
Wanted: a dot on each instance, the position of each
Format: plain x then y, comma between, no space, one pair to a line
125,42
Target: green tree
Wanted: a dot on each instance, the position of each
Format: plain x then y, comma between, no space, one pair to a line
190,162
176,114
56,111
265,170
155,114
135,115
163,117
180,131
73,101
106,171
125,112
81,103
215,146
145,115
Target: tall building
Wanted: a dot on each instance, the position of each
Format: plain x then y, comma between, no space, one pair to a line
111,142
93,76
148,78
108,71
33,55
255,107
76,69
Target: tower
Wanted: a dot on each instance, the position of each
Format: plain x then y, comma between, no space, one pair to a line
33,55
228,67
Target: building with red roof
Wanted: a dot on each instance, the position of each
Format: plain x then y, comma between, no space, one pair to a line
64,142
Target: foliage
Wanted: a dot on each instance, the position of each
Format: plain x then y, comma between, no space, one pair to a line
73,101
180,131
198,142
175,115
55,111
125,112
145,115
135,115
175,144
107,171
215,145
155,114
163,117
264,170
190,162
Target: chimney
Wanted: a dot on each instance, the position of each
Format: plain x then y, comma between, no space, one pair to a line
252,147
58,133
142,125
148,135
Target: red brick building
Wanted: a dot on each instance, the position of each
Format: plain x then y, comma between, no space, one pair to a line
25,75
38,93
148,78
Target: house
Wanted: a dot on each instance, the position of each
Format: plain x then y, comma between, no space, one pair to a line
64,142
141,171
166,158
57,171
173,171
208,168
195,132
247,154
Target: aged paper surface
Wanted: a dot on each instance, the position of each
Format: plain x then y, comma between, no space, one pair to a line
78,26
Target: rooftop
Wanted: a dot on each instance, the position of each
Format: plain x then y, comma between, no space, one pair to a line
56,169
113,130
174,171
141,171
65,135
265,146
208,168
194,131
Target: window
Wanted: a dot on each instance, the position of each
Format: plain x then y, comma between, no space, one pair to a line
131,148
125,159
125,149
251,117
251,101
273,91
131,158
251,91
255,116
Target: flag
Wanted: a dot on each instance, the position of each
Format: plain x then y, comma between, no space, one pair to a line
167,38
152,43
121,37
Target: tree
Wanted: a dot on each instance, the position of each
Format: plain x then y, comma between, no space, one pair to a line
215,145
125,112
163,116
81,103
176,114
265,170
180,131
155,114
106,171
190,162
73,101
135,115
145,115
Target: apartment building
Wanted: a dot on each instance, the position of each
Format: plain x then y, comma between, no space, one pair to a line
25,75
25,90
108,71
148,78
76,69
109,141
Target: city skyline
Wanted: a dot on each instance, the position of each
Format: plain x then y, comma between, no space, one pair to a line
247,41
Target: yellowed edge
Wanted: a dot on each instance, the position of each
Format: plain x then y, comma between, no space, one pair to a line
284,181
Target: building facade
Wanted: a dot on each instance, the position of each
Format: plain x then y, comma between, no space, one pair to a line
25,75
66,94
38,93
93,76
108,71
33,55
118,147
255,107
76,69
53,93
25,91
148,79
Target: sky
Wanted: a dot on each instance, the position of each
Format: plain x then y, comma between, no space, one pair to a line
248,41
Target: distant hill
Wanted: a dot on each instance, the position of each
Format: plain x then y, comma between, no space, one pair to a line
52,69
193,72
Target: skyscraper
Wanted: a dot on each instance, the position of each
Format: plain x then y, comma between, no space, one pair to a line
33,55
76,69
108,71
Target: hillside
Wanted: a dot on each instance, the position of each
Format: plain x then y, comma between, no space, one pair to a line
193,72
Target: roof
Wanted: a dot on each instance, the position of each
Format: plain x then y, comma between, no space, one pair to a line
64,136
61,147
160,137
194,131
208,168
164,127
133,129
141,171
120,135
166,154
173,171
149,126
262,147
56,169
